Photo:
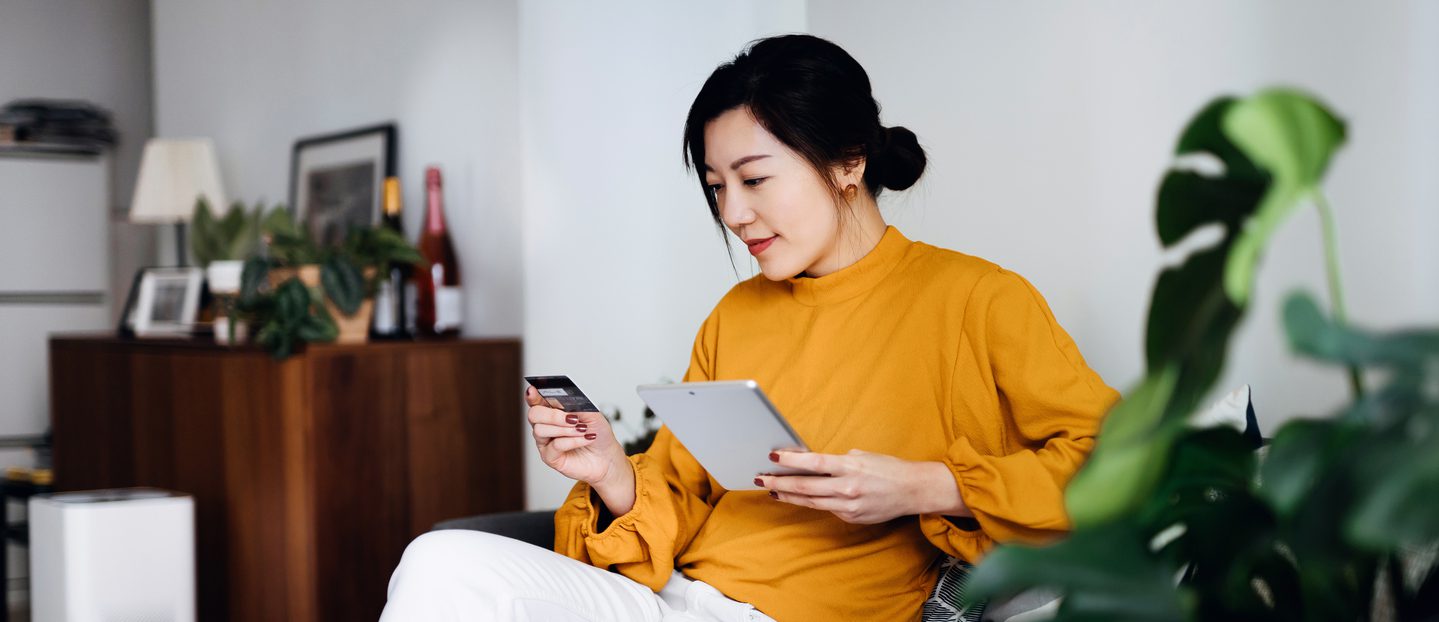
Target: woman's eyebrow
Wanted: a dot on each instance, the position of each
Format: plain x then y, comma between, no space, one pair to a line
741,162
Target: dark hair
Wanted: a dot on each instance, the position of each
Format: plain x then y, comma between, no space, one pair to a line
815,98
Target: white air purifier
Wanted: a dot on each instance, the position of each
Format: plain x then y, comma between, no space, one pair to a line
111,555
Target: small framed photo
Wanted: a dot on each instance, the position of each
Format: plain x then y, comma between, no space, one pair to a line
162,302
336,180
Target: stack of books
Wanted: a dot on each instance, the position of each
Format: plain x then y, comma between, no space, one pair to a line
55,126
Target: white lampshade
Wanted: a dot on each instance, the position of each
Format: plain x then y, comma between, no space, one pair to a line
173,173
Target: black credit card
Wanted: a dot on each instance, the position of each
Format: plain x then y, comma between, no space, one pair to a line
560,392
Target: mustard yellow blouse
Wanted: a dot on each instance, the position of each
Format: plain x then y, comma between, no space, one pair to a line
914,351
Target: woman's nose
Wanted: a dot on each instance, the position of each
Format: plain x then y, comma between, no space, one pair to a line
737,212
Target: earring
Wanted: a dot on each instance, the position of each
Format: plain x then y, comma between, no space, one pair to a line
850,191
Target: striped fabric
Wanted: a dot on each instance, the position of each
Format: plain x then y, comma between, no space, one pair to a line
943,603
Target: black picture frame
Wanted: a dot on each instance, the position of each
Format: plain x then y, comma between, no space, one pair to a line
337,179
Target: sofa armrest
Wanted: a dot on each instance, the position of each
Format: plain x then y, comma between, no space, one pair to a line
537,528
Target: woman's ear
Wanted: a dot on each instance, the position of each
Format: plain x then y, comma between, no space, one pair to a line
851,172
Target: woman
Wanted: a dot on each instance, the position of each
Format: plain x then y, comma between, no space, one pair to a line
940,396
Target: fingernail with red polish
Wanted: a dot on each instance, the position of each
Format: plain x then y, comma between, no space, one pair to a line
581,427
572,418
773,456
591,436
758,482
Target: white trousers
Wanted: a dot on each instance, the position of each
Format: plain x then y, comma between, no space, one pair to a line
471,575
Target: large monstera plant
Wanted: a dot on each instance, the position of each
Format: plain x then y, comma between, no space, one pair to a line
1339,519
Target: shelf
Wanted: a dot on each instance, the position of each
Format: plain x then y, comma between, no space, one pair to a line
52,298
48,152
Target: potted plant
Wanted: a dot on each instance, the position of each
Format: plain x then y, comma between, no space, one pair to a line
303,292
220,245
1337,518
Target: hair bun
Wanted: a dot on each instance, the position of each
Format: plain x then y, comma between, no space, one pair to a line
896,160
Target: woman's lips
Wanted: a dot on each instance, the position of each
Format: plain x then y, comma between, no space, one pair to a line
758,247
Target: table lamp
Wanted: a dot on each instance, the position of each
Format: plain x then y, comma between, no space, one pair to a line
173,174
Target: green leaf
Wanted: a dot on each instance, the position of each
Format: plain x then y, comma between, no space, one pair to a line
379,247
1285,132
1190,323
1312,334
280,222
202,227
1129,584
1292,137
316,329
343,283
253,277
243,231
1298,454
1188,200
1225,534
1278,203
1396,484
232,236
290,244
292,301
1205,134
1128,456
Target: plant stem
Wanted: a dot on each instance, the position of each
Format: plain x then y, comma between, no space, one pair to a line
1336,292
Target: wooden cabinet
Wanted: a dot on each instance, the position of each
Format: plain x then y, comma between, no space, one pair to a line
310,475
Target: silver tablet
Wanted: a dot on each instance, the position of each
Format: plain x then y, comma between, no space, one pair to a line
729,426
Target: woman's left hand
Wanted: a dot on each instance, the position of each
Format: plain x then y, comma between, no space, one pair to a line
862,487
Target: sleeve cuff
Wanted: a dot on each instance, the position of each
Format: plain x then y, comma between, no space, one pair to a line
597,533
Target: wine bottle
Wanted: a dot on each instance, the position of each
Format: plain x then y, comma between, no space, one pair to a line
390,306
438,308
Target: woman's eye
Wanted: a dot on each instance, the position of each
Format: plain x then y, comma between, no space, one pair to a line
714,188
754,181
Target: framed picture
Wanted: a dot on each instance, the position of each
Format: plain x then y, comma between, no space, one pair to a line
162,302
336,180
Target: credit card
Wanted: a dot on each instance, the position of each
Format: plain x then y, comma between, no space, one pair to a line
560,392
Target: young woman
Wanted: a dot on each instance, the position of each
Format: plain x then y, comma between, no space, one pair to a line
940,396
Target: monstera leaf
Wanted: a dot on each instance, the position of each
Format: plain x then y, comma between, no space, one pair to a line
1395,430
1293,138
1271,149
1189,199
1108,572
1131,441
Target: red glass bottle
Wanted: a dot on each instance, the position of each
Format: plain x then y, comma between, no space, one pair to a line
438,304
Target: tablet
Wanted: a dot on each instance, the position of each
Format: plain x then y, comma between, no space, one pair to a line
729,426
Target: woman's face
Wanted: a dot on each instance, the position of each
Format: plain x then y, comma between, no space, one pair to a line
769,196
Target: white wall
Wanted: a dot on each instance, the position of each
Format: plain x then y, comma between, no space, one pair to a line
1049,126
621,262
100,53
70,49
255,76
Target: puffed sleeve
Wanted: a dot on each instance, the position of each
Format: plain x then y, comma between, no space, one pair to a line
673,497
1053,403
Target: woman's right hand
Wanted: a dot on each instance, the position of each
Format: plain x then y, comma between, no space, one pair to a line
579,445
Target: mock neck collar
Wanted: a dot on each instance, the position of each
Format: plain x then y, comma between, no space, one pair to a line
856,278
